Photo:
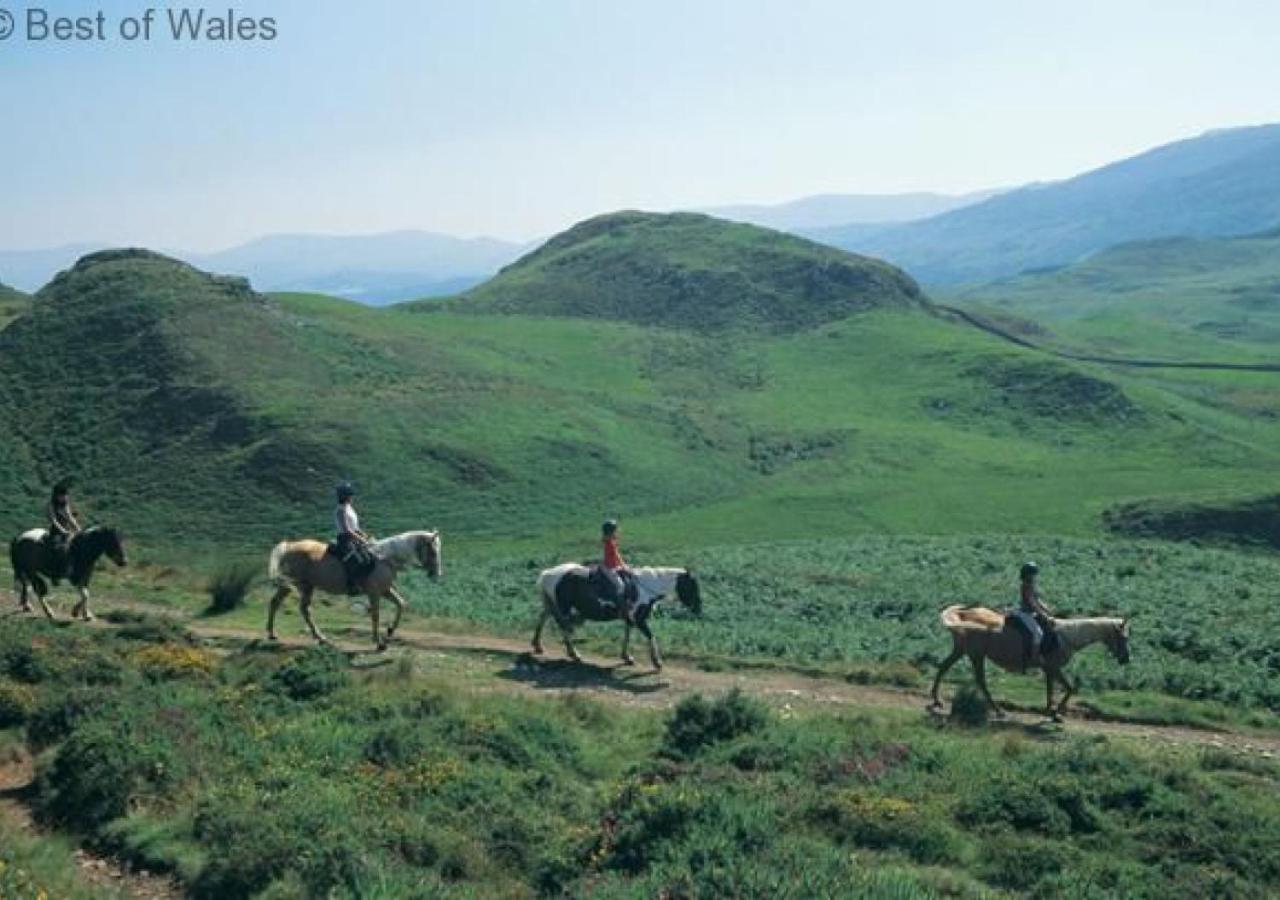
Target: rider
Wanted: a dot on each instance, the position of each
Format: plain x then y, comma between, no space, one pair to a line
1032,614
63,525
615,567
353,544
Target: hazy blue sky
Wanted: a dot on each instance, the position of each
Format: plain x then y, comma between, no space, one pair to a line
517,117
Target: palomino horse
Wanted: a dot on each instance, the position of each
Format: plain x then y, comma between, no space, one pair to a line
569,597
307,566
980,634
32,557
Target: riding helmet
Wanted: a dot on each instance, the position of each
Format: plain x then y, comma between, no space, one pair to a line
1028,569
346,490
609,527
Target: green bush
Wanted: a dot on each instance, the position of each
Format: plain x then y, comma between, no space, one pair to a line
229,587
316,672
697,723
58,714
969,708
16,703
99,769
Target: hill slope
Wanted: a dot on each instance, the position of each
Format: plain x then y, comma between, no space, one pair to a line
686,270
1183,298
197,413
13,303
1222,183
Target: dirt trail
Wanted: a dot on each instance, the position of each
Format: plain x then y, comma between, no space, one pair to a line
610,681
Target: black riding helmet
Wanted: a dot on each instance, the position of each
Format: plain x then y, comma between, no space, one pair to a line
346,491
610,527
1028,570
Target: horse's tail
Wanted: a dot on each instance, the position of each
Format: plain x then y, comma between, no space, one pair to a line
13,562
273,564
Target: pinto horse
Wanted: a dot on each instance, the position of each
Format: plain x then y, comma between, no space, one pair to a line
981,634
569,597
308,566
32,557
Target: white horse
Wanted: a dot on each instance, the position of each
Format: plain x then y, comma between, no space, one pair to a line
568,597
307,566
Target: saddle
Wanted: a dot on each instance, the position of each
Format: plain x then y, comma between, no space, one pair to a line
607,591
1048,636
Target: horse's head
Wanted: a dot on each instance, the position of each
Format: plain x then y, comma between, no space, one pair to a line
113,546
1118,641
688,592
427,550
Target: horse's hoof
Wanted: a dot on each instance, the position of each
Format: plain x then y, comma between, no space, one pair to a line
273,638
628,660
537,649
382,647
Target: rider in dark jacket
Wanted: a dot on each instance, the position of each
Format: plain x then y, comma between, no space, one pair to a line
63,525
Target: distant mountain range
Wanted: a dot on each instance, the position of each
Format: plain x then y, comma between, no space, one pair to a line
1223,183
373,269
844,210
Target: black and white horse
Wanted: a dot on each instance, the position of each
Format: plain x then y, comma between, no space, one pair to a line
32,557
569,597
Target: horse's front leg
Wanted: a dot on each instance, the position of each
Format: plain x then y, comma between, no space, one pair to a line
81,609
400,605
627,658
654,656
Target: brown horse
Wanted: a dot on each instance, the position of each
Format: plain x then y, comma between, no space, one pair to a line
308,567
982,634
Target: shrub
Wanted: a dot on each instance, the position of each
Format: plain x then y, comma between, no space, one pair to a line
98,770
164,661
970,708
16,703
316,672
881,822
229,587
697,723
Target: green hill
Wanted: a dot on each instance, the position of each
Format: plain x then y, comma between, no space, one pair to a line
196,413
13,303
690,271
1180,298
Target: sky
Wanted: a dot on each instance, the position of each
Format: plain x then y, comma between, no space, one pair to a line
516,118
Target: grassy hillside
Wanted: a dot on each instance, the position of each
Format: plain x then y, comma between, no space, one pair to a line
1179,298
690,271
1222,183
261,772
207,415
13,303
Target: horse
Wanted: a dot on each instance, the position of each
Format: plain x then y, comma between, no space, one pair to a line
569,597
31,557
308,566
980,634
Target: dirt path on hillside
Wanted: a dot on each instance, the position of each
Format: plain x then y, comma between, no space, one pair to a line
492,663
97,874
506,664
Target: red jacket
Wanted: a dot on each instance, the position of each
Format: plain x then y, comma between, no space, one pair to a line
612,558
